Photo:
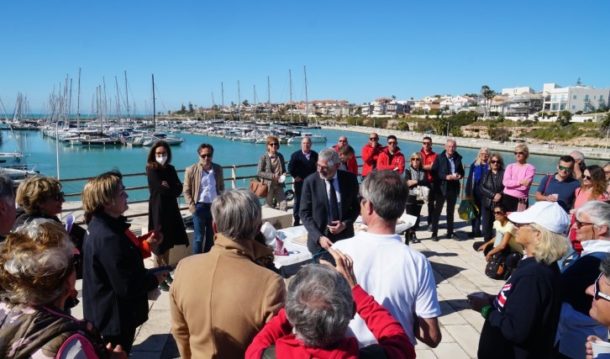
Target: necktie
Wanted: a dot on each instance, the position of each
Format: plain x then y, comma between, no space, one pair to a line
334,204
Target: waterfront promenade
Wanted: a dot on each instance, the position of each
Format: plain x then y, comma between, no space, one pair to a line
458,270
476,143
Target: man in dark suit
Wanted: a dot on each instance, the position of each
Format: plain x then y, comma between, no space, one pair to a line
329,204
302,163
447,171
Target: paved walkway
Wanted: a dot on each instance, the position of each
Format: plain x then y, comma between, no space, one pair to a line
458,270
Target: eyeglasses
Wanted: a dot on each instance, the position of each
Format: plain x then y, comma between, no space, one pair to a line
597,293
374,139
587,177
497,213
580,224
275,144
206,155
519,153
564,168
391,142
493,162
426,143
415,159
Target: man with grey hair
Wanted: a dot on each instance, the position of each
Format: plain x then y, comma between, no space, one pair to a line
302,164
319,306
396,275
592,226
579,164
7,205
219,300
329,203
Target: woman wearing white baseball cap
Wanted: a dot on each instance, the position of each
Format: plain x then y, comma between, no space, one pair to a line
521,321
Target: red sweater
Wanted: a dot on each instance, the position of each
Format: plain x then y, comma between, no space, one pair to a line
384,162
385,328
369,158
428,159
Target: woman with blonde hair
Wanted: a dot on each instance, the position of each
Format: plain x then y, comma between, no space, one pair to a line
272,172
518,178
415,176
37,276
38,197
115,282
521,321
478,170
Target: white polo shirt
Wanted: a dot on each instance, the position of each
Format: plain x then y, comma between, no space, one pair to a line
400,279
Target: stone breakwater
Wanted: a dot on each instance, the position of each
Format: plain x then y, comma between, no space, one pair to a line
476,143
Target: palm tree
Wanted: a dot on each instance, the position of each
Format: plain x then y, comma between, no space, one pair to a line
488,94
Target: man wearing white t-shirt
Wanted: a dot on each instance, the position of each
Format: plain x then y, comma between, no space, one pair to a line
399,278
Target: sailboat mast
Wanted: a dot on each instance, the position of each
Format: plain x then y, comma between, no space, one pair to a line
78,103
290,87
154,104
306,98
118,98
222,94
126,95
238,102
268,98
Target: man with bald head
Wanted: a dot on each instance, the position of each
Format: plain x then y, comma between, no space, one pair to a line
351,164
302,164
447,171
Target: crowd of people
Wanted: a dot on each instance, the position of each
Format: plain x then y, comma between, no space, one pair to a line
364,294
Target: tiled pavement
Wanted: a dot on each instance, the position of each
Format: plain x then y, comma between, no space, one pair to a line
458,270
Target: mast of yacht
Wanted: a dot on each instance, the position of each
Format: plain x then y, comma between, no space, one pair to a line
268,98
118,99
238,102
126,96
290,87
78,103
154,105
306,98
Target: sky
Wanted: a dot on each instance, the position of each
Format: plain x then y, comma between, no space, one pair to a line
352,50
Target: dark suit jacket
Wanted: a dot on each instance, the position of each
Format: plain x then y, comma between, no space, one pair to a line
115,282
300,166
314,208
441,168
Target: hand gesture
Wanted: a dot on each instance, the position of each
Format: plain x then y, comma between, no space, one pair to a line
325,242
336,227
155,238
345,266
478,300
589,346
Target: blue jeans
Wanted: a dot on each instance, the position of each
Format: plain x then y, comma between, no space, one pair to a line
202,226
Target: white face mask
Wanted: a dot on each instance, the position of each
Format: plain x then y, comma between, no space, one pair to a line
161,160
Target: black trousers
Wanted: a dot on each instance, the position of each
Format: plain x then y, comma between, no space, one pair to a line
414,209
487,221
440,200
298,188
509,203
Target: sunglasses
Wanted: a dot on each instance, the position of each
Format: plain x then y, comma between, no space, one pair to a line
205,155
342,141
415,159
374,139
494,162
427,143
497,213
391,142
597,293
587,177
564,168
275,144
519,153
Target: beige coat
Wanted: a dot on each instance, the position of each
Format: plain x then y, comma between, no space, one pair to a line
220,300
192,182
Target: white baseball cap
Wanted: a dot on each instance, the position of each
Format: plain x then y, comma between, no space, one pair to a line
548,215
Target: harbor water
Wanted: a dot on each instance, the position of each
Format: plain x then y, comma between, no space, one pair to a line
83,161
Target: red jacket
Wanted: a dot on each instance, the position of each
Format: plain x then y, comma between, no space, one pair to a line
385,328
428,159
398,161
352,164
369,158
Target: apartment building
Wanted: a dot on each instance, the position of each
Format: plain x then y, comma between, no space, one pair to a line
574,98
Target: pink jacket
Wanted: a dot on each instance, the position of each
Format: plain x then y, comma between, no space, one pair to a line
515,173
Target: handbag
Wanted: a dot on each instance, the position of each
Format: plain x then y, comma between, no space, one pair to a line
422,193
259,188
495,268
468,210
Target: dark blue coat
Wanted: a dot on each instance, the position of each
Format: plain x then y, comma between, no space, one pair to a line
115,282
300,166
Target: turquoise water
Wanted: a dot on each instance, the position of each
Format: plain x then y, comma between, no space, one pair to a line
79,161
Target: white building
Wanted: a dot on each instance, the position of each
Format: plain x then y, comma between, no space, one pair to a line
516,91
574,98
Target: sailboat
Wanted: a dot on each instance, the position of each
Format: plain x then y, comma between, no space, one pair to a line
149,140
